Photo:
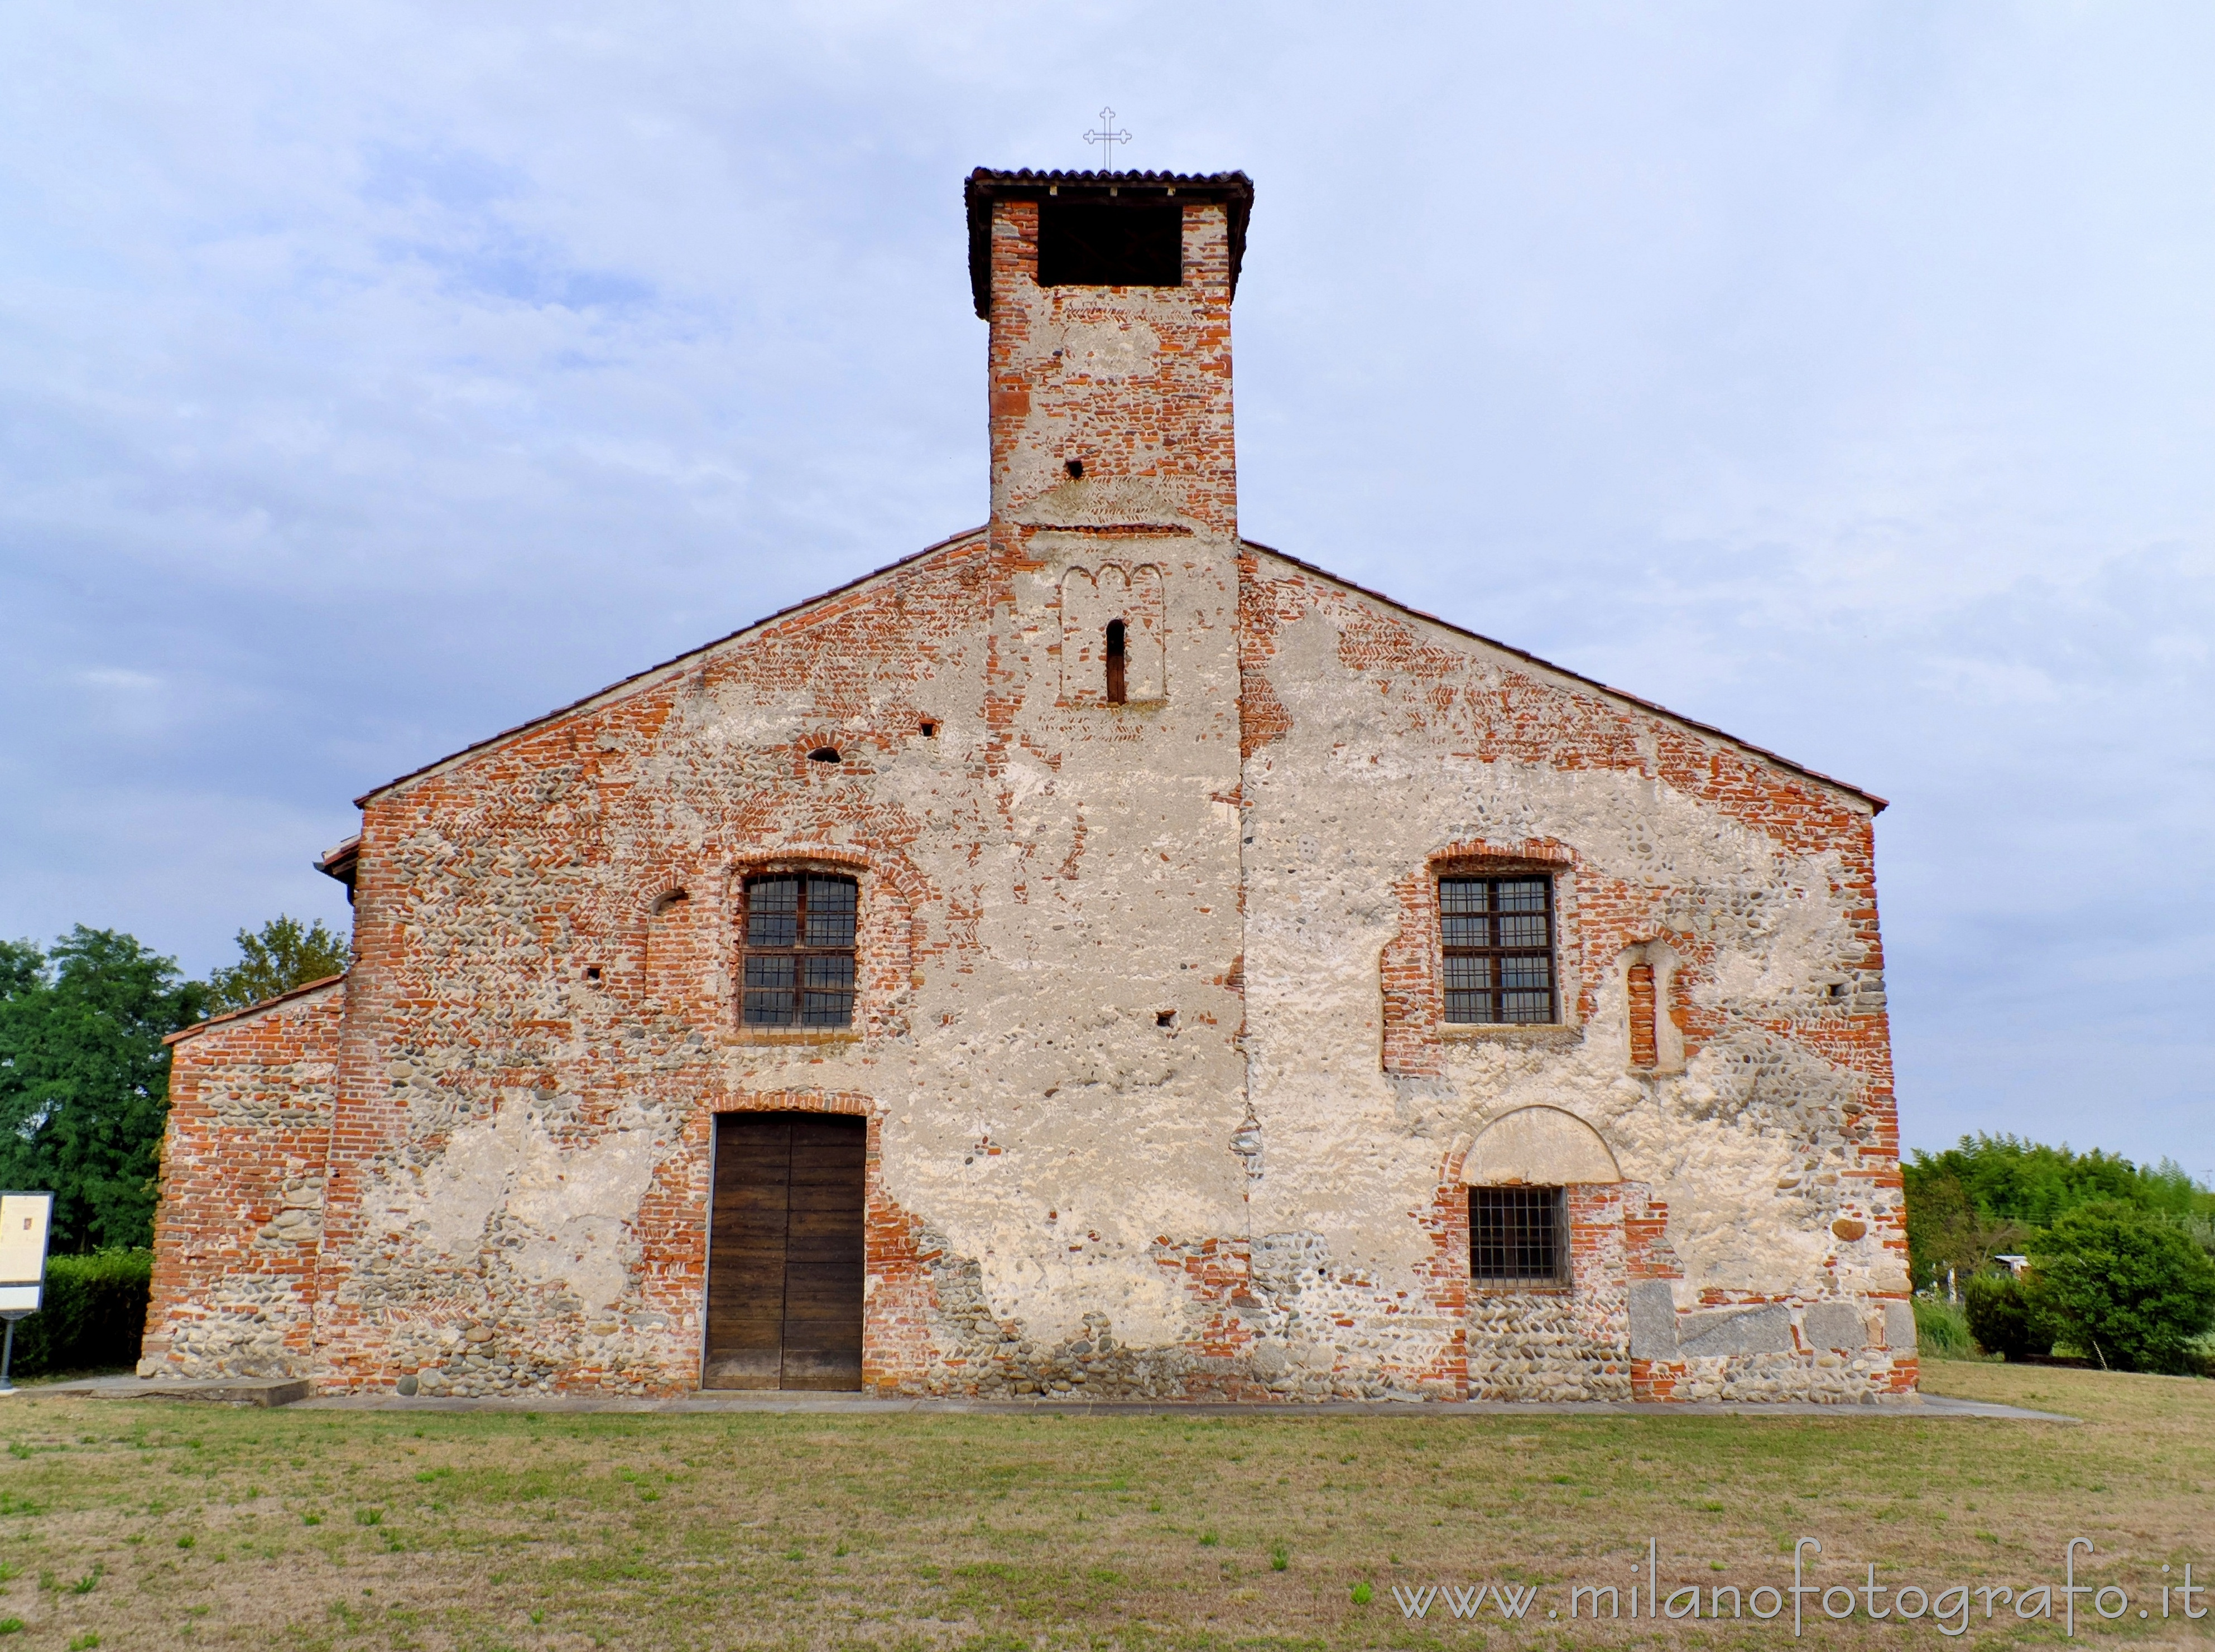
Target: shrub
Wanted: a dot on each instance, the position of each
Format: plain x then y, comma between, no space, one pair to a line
92,1315
2005,1317
2131,1288
1941,1330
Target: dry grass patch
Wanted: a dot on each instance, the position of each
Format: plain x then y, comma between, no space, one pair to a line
145,1524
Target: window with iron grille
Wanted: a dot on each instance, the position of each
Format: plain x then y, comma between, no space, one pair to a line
1518,1236
1499,937
800,951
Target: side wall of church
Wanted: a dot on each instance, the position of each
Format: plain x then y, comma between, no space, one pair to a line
1757,1115
239,1222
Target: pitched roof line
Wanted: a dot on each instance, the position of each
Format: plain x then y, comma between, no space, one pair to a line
1879,804
1782,762
301,991
636,677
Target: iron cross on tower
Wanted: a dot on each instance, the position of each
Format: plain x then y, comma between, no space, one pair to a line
1108,136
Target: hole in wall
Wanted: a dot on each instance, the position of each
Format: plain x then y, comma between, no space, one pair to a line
591,972
672,898
1075,467
824,754
1164,1018
930,729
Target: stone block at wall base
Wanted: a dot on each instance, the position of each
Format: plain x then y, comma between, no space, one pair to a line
1727,1332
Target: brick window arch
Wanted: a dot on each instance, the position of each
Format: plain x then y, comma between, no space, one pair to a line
1413,966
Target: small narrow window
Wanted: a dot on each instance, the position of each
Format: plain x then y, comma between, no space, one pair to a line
1499,943
1116,693
800,951
1517,1236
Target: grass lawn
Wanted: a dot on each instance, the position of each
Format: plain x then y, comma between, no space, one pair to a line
148,1525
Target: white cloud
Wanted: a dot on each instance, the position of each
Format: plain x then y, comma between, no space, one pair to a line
374,377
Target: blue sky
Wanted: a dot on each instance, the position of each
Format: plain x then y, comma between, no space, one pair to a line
373,377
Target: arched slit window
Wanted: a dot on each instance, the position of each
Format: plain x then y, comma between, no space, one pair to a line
1116,679
800,951
1643,1050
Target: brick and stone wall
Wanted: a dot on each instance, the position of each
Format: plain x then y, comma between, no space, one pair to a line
1149,1033
1735,893
239,1227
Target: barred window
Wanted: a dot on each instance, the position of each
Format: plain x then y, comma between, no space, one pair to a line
800,951
1518,1236
1499,936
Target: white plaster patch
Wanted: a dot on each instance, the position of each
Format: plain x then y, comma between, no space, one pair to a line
1385,780
1104,349
574,1207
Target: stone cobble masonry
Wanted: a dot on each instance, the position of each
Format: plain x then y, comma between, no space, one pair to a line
1149,1033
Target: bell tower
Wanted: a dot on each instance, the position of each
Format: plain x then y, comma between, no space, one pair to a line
1109,299
1113,691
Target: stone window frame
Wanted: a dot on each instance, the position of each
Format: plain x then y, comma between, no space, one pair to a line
1091,595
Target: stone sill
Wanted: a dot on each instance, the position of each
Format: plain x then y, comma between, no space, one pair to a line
1492,1291
817,1038
1510,1032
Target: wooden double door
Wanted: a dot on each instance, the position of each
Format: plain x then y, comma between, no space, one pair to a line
784,1252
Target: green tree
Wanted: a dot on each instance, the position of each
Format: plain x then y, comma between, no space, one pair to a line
2128,1287
2009,1179
1945,1230
282,957
1989,1194
85,1079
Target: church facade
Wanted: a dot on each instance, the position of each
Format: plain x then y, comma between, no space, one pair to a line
1096,955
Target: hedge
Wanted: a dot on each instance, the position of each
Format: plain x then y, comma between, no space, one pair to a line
92,1317
2007,1318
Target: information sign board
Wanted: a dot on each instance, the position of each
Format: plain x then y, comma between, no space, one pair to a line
24,1219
